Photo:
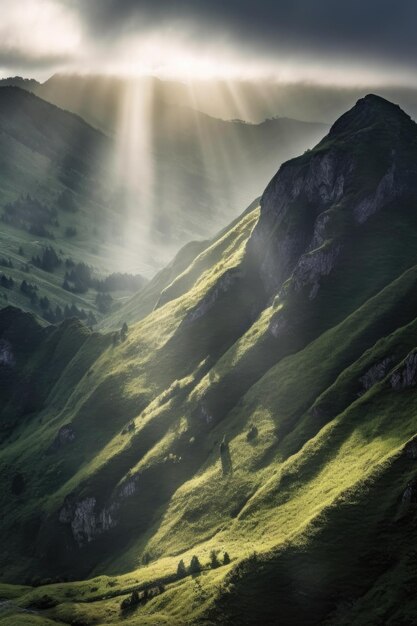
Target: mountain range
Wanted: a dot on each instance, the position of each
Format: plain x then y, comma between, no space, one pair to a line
244,450
61,196
211,167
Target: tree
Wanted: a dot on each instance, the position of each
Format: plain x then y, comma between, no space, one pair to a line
104,302
225,457
214,561
134,598
226,559
48,260
58,313
91,319
123,332
44,303
195,565
252,433
181,571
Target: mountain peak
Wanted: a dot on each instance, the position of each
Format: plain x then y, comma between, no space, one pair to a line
370,110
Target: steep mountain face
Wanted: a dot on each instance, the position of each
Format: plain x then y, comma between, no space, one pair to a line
265,408
314,203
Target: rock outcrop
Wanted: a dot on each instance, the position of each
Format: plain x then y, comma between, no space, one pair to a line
88,520
409,498
405,375
410,449
314,202
64,436
375,374
7,358
223,285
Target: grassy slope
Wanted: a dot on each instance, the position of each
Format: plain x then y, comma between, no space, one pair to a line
313,512
287,493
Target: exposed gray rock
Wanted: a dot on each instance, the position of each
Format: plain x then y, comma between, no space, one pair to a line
205,414
387,190
280,259
279,325
311,268
319,412
129,428
128,489
409,498
87,520
375,374
320,234
81,516
410,449
310,200
221,287
405,375
320,180
64,436
312,186
6,353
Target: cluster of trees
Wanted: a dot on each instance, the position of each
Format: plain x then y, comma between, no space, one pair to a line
30,214
6,282
120,282
141,597
104,302
48,260
30,291
78,278
34,216
55,314
6,262
195,566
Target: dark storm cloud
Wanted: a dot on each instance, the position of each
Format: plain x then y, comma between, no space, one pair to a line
383,29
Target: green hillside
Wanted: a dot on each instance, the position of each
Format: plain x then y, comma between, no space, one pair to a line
259,414
55,196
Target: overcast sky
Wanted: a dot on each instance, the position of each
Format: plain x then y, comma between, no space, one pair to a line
355,42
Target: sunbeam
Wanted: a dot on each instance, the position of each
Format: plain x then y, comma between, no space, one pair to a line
134,169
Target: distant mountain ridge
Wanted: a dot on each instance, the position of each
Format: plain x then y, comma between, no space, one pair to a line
29,84
198,170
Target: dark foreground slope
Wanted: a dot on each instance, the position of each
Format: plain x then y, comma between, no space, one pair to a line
265,408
